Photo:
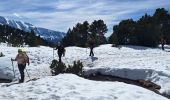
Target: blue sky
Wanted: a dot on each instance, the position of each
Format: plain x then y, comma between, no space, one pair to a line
63,14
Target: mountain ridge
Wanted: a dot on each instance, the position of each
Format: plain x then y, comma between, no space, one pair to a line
47,34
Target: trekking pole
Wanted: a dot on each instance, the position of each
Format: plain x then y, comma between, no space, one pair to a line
53,53
28,74
13,67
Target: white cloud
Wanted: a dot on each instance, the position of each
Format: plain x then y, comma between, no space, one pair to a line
68,12
17,15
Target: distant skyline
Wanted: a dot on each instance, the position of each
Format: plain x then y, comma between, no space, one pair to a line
60,15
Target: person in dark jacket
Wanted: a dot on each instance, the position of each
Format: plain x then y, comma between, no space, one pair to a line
61,51
91,45
163,42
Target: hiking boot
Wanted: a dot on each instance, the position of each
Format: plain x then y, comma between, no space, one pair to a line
21,81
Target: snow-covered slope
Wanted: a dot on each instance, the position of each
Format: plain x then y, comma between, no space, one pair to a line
50,35
72,87
131,62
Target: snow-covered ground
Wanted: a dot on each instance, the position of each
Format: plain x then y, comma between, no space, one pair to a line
72,87
131,62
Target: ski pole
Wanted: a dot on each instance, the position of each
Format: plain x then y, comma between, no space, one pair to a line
53,53
13,67
28,74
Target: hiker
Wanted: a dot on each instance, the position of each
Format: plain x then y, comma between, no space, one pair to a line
163,42
91,45
22,59
61,51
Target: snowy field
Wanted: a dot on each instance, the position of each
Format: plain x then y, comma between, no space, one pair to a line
131,62
72,87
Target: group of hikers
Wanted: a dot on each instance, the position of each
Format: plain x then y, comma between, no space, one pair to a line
23,59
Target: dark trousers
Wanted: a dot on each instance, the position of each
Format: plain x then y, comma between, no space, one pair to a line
21,68
59,55
91,52
163,47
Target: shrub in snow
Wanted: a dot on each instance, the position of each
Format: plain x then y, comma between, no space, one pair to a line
76,68
57,67
1,54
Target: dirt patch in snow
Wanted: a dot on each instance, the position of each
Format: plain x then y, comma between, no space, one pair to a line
5,81
142,83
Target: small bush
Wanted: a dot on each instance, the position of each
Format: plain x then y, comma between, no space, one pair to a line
76,68
1,54
57,67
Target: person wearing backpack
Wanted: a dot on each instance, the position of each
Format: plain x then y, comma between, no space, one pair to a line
61,51
22,59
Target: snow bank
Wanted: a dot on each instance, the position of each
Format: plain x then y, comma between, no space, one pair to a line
158,77
72,87
5,70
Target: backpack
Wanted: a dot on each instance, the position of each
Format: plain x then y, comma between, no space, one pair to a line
27,61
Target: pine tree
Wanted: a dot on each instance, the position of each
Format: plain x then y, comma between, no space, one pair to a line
80,34
146,31
97,30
